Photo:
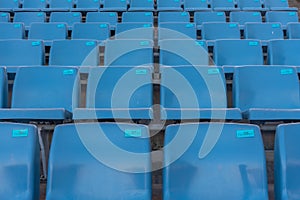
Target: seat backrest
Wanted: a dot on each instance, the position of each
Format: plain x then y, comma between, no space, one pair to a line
128,52
21,52
169,4
263,31
66,4
103,17
177,30
238,52
145,17
284,52
46,87
29,17
88,4
283,17
117,154
195,4
248,4
19,161
135,30
66,17
274,87
203,159
4,17
286,161
183,52
91,31
222,4
12,31
220,30
11,4
201,17
293,30
34,4
173,17
276,3
244,17
74,53
48,31
142,4
115,4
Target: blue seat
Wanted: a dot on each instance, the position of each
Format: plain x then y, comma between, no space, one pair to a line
19,165
212,31
263,31
279,5
293,30
4,17
267,93
43,94
286,162
118,93
12,31
32,5
60,5
214,153
173,17
201,17
169,5
74,53
238,52
9,5
183,52
145,17
68,18
242,17
87,5
221,5
194,93
283,17
15,53
27,18
195,5
86,161
134,31
141,5
132,53
251,5
48,32
177,30
103,17
91,31
284,52
114,5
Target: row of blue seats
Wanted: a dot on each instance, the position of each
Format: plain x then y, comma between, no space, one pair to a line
142,5
53,94
111,18
113,161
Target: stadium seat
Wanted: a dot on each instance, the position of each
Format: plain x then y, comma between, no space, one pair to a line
91,31
267,93
69,18
12,31
128,52
27,18
103,17
238,52
194,93
60,5
283,17
183,52
263,32
169,5
196,5
141,5
251,5
134,31
242,17
9,5
209,162
19,162
48,32
43,94
286,162
173,17
74,53
283,52
212,31
114,5
15,53
145,17
177,30
32,5
293,30
4,17
79,163
201,17
279,5
221,5
87,5
118,93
